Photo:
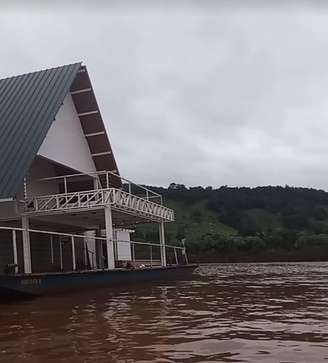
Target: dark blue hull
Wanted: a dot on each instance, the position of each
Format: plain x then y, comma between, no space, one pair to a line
48,283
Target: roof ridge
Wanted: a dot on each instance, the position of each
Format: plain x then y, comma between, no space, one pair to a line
41,70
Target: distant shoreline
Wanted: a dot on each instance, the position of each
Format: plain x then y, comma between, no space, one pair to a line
313,254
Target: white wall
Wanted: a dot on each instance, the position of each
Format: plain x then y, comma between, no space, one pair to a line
90,242
123,248
65,142
122,236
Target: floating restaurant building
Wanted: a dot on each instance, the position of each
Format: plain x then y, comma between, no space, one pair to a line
66,213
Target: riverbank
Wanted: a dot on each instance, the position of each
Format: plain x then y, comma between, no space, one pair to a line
276,255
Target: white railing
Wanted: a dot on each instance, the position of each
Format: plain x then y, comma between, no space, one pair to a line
132,198
179,255
117,198
125,201
104,180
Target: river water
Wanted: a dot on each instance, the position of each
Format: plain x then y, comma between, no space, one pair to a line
228,313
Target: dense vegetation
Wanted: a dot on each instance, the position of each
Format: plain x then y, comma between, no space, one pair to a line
246,221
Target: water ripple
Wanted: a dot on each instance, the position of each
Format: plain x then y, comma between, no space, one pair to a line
227,313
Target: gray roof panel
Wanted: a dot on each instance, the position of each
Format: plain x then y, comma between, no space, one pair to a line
28,105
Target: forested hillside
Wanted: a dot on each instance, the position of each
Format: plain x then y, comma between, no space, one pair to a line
242,223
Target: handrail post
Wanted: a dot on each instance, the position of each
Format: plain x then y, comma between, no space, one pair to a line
133,251
73,254
115,246
15,250
176,256
85,253
162,244
184,250
61,255
151,256
186,256
95,183
65,185
26,245
107,180
52,249
109,238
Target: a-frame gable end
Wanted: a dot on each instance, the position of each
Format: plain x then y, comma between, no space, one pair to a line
93,126
65,142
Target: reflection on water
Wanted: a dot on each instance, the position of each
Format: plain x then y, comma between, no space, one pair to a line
228,313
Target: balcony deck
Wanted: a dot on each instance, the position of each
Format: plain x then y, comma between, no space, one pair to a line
96,199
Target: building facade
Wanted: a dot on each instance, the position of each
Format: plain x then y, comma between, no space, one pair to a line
63,204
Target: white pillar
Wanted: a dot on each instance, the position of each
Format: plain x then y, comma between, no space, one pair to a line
162,243
109,238
26,245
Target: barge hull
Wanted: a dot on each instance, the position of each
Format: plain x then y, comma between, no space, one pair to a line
51,283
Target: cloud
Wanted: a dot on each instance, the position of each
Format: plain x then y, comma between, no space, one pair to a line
210,96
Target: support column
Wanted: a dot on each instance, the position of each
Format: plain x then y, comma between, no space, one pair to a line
26,245
162,243
109,238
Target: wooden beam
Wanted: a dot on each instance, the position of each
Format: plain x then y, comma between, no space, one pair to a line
88,113
101,154
95,134
81,91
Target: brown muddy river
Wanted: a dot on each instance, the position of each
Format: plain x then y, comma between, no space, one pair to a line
228,313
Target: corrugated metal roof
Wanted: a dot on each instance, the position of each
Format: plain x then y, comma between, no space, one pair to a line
28,105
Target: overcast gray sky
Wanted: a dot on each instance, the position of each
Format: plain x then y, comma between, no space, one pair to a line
201,94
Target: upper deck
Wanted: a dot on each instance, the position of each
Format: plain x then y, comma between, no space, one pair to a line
139,202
